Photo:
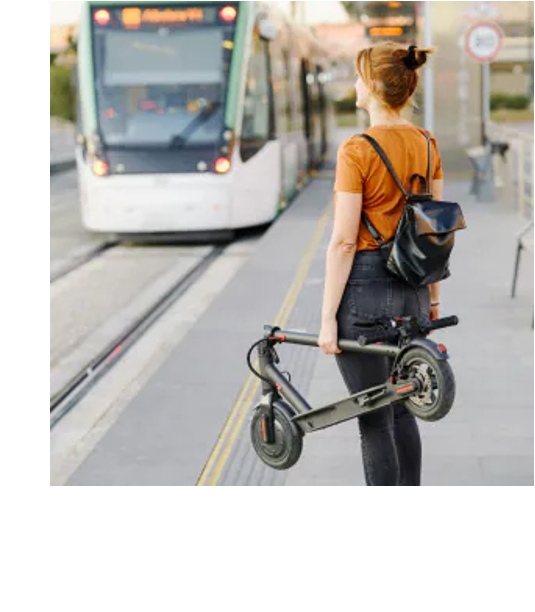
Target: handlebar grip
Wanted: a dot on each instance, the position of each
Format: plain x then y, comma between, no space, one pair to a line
442,323
386,335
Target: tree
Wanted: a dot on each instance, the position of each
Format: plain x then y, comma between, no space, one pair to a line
354,9
72,43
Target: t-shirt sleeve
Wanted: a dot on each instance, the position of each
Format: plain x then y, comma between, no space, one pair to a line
438,173
349,168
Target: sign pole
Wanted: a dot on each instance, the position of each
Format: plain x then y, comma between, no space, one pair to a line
429,95
483,42
485,101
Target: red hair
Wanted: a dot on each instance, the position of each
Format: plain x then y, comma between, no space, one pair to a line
392,69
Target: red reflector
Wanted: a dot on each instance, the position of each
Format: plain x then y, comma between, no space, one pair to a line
222,165
405,389
442,348
228,13
100,168
102,17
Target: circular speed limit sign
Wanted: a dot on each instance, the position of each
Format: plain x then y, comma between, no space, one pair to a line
483,42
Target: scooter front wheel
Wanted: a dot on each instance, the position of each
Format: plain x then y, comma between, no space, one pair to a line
284,450
436,381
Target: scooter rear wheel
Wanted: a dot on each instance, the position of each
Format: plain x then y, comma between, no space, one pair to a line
285,450
435,399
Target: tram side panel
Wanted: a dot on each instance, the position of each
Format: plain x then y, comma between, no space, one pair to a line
257,167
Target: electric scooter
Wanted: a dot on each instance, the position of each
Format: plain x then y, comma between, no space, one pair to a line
421,377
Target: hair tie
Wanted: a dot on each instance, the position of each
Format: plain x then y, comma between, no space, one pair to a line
410,59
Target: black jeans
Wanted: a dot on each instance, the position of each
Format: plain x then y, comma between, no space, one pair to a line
391,446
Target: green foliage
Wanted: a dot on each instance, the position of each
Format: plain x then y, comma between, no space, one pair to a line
511,101
62,95
72,45
53,58
347,104
350,7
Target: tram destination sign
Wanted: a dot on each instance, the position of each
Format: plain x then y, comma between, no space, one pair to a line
138,17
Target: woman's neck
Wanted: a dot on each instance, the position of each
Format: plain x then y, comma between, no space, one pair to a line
383,116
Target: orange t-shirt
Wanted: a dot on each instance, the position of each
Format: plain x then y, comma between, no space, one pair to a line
359,169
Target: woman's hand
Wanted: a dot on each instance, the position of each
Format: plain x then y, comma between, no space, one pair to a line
328,340
434,314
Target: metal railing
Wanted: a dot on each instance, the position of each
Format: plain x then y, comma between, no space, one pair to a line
513,172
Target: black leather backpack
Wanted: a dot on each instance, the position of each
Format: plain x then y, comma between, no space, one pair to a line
420,251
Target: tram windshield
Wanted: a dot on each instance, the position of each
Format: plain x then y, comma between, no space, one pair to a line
161,74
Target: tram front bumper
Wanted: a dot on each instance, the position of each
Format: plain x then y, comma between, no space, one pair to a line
158,203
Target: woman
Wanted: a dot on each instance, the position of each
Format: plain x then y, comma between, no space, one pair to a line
358,288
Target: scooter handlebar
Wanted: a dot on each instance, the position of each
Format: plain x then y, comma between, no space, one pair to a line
383,335
442,323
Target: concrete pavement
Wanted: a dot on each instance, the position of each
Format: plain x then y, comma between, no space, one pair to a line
61,145
487,439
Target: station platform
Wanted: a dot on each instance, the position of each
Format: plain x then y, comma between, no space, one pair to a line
188,424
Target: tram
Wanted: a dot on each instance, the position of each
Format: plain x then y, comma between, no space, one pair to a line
196,117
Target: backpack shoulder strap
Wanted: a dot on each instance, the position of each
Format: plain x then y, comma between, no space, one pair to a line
374,233
371,228
429,162
387,163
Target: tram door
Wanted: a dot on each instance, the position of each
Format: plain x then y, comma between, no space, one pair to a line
257,192
307,113
322,109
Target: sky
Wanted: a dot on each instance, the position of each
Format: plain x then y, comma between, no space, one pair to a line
64,12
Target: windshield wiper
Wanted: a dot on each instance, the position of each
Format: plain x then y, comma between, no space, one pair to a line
180,139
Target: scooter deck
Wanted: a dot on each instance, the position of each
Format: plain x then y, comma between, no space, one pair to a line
354,406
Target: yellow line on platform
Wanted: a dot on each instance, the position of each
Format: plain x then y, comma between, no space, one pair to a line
221,452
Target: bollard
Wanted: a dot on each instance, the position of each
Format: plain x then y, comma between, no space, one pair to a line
483,177
484,180
499,162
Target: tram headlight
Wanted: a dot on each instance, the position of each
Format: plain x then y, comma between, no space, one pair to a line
100,167
102,17
222,165
228,13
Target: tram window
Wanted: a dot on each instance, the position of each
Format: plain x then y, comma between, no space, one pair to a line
322,107
306,80
256,126
280,85
150,86
296,93
320,90
288,92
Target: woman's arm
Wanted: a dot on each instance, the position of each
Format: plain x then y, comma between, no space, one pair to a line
437,189
339,260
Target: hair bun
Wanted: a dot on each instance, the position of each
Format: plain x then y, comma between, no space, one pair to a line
415,57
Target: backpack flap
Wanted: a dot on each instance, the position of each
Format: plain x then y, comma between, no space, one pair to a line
432,217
